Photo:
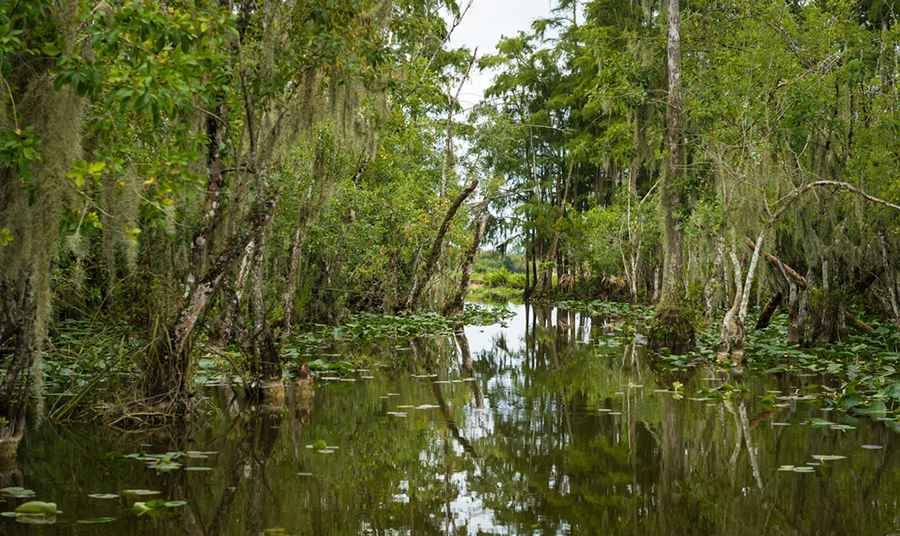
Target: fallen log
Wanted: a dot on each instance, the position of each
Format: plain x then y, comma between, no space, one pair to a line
801,282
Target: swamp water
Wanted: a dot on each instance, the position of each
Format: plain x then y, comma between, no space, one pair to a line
552,424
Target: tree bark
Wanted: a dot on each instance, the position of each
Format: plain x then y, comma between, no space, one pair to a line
731,338
633,259
891,279
670,196
215,183
712,291
266,366
419,283
672,327
457,303
765,317
169,361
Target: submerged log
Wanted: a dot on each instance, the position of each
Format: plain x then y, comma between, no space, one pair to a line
802,283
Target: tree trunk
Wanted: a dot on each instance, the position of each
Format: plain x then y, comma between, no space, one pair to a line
266,366
890,279
16,384
633,258
215,183
293,277
169,361
731,338
419,283
32,204
765,317
672,327
712,291
670,196
456,304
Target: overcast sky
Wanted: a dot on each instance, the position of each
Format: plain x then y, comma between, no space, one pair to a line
485,24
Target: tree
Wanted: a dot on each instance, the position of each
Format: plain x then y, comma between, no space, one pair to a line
672,324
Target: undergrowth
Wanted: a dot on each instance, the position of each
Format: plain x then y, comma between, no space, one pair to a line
858,375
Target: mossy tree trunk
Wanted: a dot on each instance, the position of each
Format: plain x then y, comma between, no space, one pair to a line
32,203
169,364
457,303
672,326
421,281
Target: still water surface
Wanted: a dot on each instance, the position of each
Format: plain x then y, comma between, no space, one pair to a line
552,424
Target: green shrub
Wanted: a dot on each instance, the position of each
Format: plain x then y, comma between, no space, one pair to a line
503,278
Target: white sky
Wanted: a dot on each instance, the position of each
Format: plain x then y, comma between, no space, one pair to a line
485,24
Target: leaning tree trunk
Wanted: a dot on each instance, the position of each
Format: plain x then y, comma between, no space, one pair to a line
457,303
672,326
169,361
731,341
419,283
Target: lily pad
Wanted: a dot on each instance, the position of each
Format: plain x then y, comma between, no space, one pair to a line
796,469
828,457
140,492
37,508
17,492
155,507
103,496
95,520
820,423
31,519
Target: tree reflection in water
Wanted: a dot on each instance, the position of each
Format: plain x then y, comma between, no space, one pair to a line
556,424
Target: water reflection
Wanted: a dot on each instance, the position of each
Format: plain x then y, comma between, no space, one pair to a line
555,424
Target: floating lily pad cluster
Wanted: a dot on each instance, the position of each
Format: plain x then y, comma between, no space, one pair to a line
367,327
169,461
36,512
810,467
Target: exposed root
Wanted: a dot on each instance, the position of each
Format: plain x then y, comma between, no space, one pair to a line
672,327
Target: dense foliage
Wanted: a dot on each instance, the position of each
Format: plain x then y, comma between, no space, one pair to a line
222,170
786,192
231,172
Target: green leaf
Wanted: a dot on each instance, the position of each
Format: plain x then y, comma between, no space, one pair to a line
96,168
95,520
37,507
